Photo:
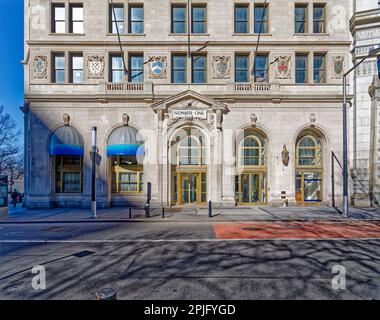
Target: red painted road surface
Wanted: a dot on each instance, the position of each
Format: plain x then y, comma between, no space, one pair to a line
298,230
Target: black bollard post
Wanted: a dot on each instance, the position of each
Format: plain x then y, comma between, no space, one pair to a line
130,213
163,212
210,209
147,210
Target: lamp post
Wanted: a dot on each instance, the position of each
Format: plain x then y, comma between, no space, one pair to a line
93,174
374,51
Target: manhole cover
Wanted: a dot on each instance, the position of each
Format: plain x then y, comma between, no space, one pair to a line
54,229
252,229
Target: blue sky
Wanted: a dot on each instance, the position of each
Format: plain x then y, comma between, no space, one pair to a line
11,53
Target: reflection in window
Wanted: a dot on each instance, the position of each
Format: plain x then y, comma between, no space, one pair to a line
136,19
309,151
179,68
127,175
117,18
241,68
77,68
136,68
191,151
76,18
241,19
59,68
261,68
68,174
300,13
199,71
117,69
198,19
253,151
178,19
318,19
319,68
59,18
301,68
261,19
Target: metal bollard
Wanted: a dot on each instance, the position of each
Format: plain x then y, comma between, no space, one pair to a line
163,212
106,294
210,209
130,213
147,211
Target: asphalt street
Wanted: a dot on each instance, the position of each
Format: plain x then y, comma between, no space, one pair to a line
179,261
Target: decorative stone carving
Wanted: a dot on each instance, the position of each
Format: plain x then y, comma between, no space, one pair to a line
285,156
283,67
40,64
221,67
337,66
158,67
313,119
125,118
95,67
66,119
253,120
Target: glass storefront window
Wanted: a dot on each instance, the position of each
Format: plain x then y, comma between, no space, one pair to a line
68,174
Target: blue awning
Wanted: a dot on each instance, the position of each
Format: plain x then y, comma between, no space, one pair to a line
66,141
125,141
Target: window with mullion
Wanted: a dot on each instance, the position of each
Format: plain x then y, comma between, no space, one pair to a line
301,68
117,69
76,68
136,19
241,19
117,18
199,69
59,68
241,68
59,18
319,68
300,16
261,68
261,19
179,69
136,68
319,19
179,19
76,18
198,19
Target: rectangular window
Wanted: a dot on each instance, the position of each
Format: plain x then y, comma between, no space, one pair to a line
116,18
261,68
136,68
178,19
241,19
59,68
76,75
261,19
117,68
68,175
319,68
58,18
179,69
76,18
136,19
319,18
241,68
300,16
301,68
199,69
198,19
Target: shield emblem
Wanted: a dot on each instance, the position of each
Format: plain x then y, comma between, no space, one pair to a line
221,66
338,65
40,67
283,67
157,67
95,67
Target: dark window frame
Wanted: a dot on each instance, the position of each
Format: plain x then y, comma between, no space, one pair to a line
245,55
236,21
197,6
322,79
265,24
131,22
173,22
54,20
71,18
72,70
193,69
131,70
111,75
305,22
174,69
113,19
56,55
303,70
322,21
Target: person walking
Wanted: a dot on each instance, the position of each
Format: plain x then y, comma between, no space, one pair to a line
14,197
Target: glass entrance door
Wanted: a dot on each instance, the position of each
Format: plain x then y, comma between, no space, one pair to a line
309,187
189,188
252,188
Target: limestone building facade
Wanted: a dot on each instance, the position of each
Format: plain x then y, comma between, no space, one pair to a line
188,109
365,28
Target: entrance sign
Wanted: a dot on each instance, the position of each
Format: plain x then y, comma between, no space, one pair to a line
188,113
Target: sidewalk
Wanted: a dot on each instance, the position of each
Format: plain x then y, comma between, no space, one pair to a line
66,215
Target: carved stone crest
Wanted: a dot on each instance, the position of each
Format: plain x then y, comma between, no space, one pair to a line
157,67
285,156
40,64
283,67
253,120
95,67
337,67
221,67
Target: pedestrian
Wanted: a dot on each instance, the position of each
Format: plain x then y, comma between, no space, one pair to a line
14,197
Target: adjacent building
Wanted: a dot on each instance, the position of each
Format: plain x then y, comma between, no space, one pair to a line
365,28
188,107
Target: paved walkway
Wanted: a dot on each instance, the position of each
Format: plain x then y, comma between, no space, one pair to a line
65,215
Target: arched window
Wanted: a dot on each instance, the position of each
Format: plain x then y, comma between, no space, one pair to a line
309,152
191,151
252,151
